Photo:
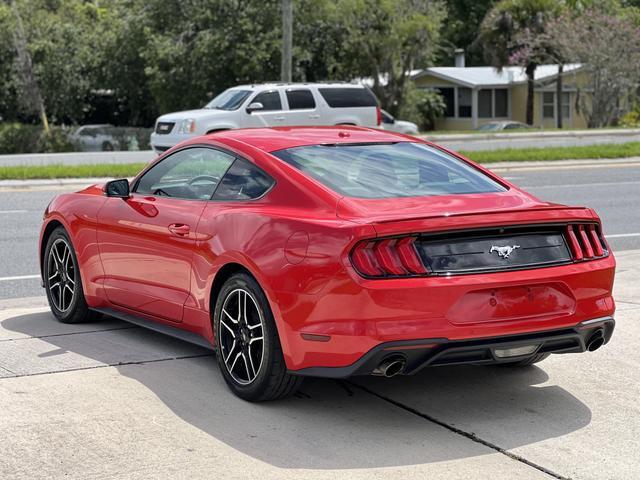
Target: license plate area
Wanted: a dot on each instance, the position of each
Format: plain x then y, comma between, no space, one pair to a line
513,303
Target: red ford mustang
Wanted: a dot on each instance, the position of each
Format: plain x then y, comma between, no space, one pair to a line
330,252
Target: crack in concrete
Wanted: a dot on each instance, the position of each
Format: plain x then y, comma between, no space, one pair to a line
66,334
119,364
469,435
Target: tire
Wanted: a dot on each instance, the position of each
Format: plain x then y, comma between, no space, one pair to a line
107,147
246,336
527,361
62,281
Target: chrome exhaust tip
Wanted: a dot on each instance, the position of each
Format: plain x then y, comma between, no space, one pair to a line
596,340
390,367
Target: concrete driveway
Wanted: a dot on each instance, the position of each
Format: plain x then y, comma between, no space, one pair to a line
110,400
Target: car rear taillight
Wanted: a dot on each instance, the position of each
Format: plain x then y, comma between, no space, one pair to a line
585,241
378,115
389,257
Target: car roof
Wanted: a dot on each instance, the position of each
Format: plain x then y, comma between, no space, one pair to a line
267,85
279,138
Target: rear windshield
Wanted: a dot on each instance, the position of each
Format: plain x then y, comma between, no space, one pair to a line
348,97
388,170
228,100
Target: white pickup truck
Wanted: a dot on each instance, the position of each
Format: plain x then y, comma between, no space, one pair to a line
270,105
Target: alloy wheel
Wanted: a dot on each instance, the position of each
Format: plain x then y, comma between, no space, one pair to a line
61,275
241,334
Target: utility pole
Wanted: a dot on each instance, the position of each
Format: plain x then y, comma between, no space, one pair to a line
25,68
287,40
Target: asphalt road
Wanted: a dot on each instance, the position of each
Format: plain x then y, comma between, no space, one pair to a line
613,190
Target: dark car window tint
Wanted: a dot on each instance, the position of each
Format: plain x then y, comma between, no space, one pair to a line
348,97
300,99
388,170
243,181
193,173
269,100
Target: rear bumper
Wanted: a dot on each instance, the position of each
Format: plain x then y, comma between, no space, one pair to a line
350,316
418,354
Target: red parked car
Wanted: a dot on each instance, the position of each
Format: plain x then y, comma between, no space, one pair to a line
330,251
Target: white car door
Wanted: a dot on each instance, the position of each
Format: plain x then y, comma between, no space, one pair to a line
272,113
303,108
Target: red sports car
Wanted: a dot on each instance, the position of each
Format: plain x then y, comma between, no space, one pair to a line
332,252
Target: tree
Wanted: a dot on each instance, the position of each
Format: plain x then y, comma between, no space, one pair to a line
512,33
460,29
196,49
607,43
387,39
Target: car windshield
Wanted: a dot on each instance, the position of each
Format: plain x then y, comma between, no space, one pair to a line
388,170
229,100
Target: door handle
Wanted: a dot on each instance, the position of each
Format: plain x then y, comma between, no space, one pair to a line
278,118
179,229
314,116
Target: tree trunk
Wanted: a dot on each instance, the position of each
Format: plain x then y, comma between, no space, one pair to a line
559,97
35,102
530,71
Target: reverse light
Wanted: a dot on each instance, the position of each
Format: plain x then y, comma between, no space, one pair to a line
187,126
388,258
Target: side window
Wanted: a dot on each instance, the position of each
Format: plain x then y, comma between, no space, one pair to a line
348,97
300,100
243,181
269,100
193,174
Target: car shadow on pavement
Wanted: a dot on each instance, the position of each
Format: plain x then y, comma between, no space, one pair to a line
329,424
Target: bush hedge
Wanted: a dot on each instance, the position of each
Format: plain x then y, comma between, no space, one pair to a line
24,138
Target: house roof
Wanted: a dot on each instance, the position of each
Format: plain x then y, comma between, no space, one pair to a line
490,76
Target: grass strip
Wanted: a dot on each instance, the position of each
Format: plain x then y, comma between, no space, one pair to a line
121,170
621,150
107,170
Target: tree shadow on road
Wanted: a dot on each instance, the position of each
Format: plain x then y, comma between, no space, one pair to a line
329,424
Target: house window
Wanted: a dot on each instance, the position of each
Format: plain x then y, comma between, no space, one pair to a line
566,105
493,103
464,102
447,94
484,104
501,102
549,104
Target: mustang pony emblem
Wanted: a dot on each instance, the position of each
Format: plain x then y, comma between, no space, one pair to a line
503,252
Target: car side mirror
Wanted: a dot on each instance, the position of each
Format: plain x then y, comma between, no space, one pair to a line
254,107
117,188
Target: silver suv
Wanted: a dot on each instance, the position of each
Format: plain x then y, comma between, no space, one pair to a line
271,105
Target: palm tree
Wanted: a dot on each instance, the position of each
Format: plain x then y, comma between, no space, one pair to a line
512,33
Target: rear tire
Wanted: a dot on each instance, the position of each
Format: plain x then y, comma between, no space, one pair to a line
527,361
62,281
247,344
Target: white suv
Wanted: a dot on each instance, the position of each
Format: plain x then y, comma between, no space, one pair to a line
271,105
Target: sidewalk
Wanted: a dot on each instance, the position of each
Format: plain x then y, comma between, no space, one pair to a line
110,400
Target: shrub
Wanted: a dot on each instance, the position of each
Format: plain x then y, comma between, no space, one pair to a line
21,138
422,107
632,118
